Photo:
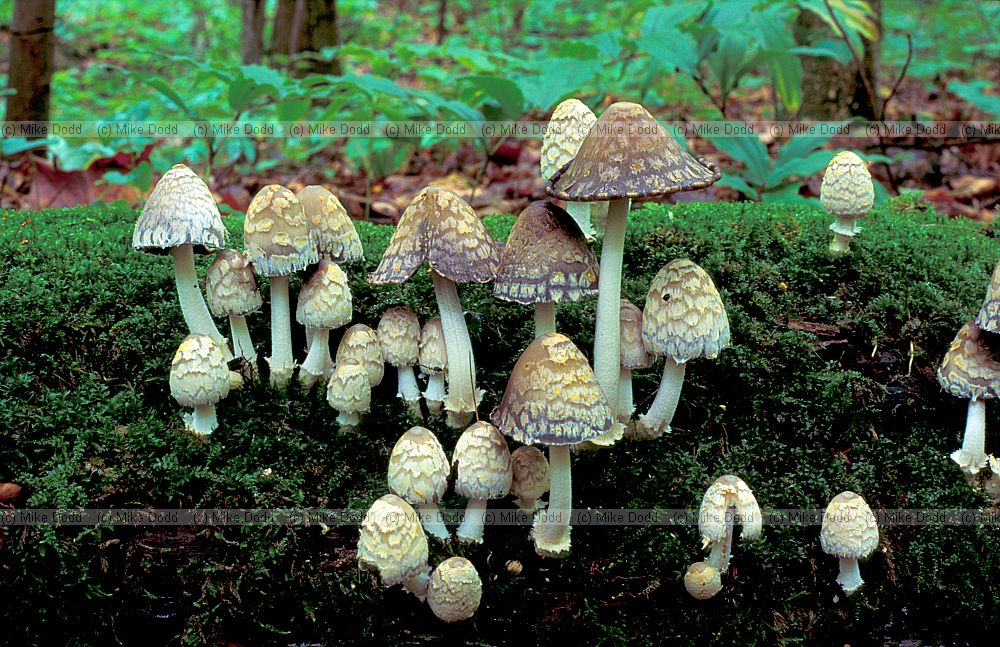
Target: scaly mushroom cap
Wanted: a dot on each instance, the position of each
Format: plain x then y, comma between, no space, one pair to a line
483,463
989,314
633,351
455,590
530,473
552,396
702,580
546,258
726,491
627,154
325,298
230,287
198,373
441,227
968,370
568,127
392,541
433,353
849,530
847,188
418,468
360,343
399,334
348,389
684,317
180,210
276,234
330,225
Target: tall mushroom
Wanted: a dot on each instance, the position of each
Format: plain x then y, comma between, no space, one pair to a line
393,542
568,126
552,398
433,364
418,472
634,356
442,228
727,501
848,193
399,335
199,378
850,533
989,313
482,472
324,304
361,343
232,292
627,155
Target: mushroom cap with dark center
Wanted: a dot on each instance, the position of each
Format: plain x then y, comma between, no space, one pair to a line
230,286
325,298
552,396
276,234
399,335
546,258
729,491
847,188
627,154
180,210
849,529
199,374
418,467
968,370
567,128
455,590
392,541
482,462
331,227
361,344
989,314
634,354
433,353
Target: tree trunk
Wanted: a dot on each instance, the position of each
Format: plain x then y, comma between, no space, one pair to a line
281,35
442,27
30,75
319,30
252,36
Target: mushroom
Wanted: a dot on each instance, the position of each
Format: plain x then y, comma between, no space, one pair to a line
727,501
278,244
684,319
530,477
848,193
552,397
349,392
232,292
181,218
633,354
199,378
626,155
482,472
399,335
324,303
418,472
455,590
969,371
989,314
702,580
433,364
568,126
393,542
545,261
361,343
849,532
442,228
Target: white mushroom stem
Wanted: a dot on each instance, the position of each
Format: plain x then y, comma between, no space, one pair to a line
844,230
626,405
348,420
193,307
972,457
657,420
850,575
430,517
461,400
545,318
551,529
318,360
722,550
471,528
607,344
203,420
406,388
242,344
281,361
435,394
580,212
418,584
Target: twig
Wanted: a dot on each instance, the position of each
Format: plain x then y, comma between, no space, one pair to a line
719,105
902,73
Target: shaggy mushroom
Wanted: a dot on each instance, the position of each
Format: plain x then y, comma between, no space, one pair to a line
482,472
232,292
442,228
727,501
702,580
433,364
545,261
199,378
399,335
684,319
626,155
455,590
848,193
989,314
634,356
418,472
552,398
568,126
349,392
849,532
324,304
530,472
361,343
393,542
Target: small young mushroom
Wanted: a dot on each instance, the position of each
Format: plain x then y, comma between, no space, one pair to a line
702,580
418,472
568,126
455,590
482,471
634,356
849,532
989,314
349,392
231,291
433,364
393,542
199,378
727,501
361,343
324,304
848,193
399,335
530,472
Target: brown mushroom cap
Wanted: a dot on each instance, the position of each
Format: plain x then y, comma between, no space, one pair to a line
349,389
325,298
418,467
442,228
455,590
847,188
530,472
433,353
567,128
198,373
633,351
483,463
849,529
546,258
230,287
552,396
331,227
392,541
276,234
968,370
989,314
399,335
627,154
684,317
702,580
361,344
180,210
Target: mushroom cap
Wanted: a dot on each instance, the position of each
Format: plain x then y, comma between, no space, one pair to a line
552,396
418,468
568,127
180,210
989,314
441,227
199,374
968,370
546,258
399,334
849,529
727,491
684,317
230,287
325,298
530,473
433,352
392,541
702,580
361,343
633,351
483,463
455,590
330,225
276,234
348,389
847,188
627,154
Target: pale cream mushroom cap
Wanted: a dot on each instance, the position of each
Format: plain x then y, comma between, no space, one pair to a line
361,343
418,467
276,234
847,190
180,210
989,314
392,541
330,225
325,298
348,389
399,335
530,473
702,580
849,528
455,590
433,353
726,491
198,373
634,354
568,126
483,463
230,286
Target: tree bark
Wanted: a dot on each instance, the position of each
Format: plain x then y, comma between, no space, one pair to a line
307,26
442,26
30,75
281,34
252,36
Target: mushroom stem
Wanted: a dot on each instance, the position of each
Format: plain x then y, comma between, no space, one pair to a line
551,529
435,394
657,420
626,405
843,231
418,584
471,529
461,401
348,420
242,344
972,457
580,212
545,318
722,550
203,420
607,344
193,307
315,367
430,517
406,388
529,505
281,361
850,575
